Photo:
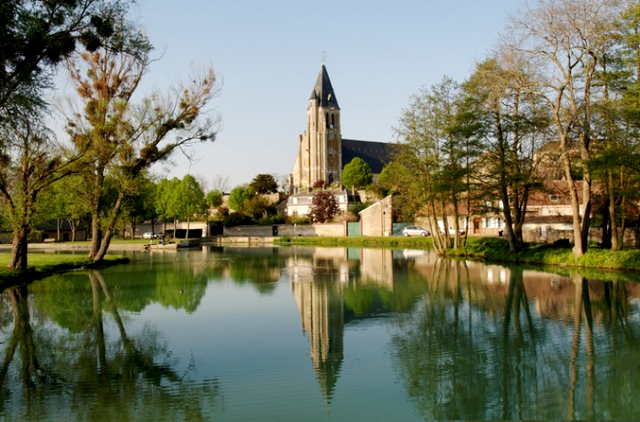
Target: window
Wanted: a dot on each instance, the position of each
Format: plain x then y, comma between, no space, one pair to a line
554,198
492,223
295,200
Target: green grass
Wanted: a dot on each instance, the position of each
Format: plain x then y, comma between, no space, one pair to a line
497,250
491,249
41,265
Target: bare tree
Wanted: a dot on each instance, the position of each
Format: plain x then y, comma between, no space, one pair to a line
122,138
566,39
220,183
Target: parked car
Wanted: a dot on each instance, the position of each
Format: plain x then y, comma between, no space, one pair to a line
151,235
415,231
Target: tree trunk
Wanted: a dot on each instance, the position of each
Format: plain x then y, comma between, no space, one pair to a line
606,229
612,213
18,259
58,227
103,247
578,248
72,225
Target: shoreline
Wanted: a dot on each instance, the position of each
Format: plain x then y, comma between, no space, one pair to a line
485,249
50,264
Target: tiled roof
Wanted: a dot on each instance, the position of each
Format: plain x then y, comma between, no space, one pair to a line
375,154
323,91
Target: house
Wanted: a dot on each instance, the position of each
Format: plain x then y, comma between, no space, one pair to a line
377,219
299,204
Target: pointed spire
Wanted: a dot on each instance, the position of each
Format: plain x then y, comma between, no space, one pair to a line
323,91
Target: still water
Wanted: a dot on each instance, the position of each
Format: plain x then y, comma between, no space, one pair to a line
318,334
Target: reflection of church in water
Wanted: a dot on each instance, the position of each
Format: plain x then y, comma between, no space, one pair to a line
318,277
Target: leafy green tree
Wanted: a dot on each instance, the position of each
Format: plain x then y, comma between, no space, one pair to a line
238,196
357,174
264,183
191,200
323,207
393,177
140,206
167,201
257,207
214,198
28,167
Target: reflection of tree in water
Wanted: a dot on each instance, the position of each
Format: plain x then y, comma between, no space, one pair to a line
463,360
263,271
92,376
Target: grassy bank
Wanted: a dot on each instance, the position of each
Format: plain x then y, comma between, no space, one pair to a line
497,250
42,265
492,249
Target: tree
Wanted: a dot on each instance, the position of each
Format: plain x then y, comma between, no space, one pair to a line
566,41
123,139
238,196
214,198
258,207
140,206
36,37
167,201
356,174
39,35
501,104
323,207
191,202
392,177
435,150
29,164
220,183
263,184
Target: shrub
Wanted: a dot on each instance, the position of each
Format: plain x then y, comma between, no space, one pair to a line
319,184
358,206
236,219
297,220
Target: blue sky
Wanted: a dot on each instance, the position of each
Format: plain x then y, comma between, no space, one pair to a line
267,55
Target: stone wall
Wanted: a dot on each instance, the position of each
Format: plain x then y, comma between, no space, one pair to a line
549,234
291,230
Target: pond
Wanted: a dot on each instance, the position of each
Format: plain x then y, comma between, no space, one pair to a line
319,334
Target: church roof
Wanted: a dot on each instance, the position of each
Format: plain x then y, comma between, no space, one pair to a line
375,154
323,91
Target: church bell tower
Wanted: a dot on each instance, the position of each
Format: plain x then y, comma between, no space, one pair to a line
319,155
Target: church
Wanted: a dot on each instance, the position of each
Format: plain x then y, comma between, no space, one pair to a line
322,152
